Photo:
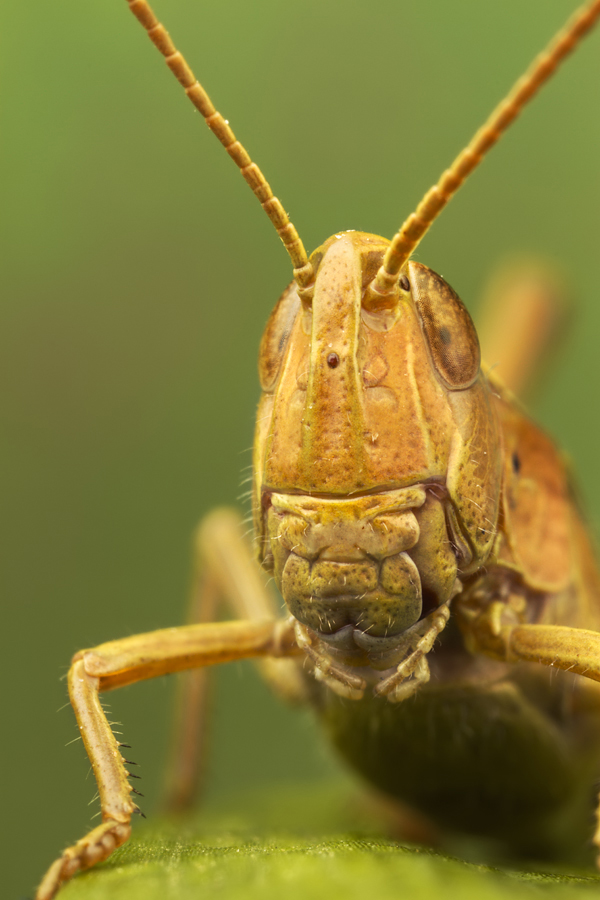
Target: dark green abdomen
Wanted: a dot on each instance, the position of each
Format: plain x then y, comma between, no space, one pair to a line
482,759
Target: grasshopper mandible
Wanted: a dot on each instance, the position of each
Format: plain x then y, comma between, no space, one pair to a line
421,531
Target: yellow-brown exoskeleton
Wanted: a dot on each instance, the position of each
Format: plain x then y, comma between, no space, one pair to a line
421,531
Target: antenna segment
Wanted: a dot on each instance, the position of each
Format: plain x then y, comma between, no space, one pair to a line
417,224
303,270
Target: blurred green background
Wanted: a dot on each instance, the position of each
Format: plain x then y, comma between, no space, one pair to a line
138,272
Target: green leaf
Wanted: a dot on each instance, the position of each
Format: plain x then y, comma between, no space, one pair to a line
304,843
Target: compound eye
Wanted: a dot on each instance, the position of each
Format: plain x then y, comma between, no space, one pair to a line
448,328
276,336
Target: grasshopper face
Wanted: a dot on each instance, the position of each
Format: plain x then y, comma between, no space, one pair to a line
377,472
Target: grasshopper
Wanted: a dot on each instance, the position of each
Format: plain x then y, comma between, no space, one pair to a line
420,528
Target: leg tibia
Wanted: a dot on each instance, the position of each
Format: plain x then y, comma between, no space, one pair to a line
111,776
101,745
224,574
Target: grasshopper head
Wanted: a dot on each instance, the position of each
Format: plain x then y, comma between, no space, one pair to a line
376,473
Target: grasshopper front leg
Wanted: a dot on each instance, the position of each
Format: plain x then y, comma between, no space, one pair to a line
119,663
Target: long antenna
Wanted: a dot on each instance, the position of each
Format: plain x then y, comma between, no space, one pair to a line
303,270
417,224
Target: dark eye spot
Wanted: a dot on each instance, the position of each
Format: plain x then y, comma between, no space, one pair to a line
516,463
333,360
404,283
445,336
283,339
